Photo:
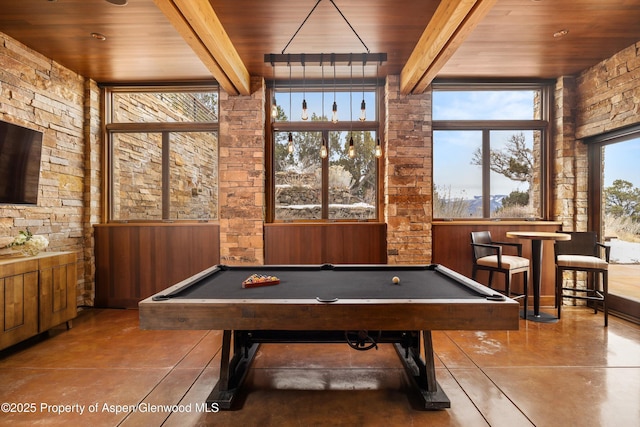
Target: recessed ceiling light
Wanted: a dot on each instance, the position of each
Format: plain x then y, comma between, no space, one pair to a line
118,2
560,33
99,36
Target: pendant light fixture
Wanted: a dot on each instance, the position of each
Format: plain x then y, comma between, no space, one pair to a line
334,109
323,149
378,151
305,115
315,58
290,143
363,105
352,149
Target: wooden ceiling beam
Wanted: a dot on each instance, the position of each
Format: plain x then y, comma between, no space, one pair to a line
199,26
450,25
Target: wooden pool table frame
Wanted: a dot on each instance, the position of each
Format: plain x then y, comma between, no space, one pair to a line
404,323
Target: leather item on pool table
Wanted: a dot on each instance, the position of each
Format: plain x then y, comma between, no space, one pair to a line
256,280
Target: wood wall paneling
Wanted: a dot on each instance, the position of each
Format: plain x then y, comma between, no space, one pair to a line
134,261
334,243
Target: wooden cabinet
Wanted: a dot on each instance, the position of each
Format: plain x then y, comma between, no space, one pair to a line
36,293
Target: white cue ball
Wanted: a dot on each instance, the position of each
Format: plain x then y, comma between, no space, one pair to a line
395,280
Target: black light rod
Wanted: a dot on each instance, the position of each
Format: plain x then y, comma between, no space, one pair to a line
324,58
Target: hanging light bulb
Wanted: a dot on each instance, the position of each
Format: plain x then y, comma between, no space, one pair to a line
352,149
305,115
322,65
378,149
363,105
323,149
334,109
290,144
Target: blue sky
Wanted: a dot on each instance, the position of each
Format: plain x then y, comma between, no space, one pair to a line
622,161
483,105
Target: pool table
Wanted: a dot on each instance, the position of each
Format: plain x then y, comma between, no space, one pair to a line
356,304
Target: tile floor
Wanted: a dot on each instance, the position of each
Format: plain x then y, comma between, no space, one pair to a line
572,373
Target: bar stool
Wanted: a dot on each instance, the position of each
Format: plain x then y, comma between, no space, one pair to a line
583,253
488,255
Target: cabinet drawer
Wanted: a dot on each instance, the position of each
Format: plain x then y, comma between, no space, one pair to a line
19,305
57,295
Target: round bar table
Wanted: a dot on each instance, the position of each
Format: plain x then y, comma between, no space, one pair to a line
536,238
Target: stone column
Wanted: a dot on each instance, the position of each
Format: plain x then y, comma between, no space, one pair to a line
242,176
570,167
408,179
92,186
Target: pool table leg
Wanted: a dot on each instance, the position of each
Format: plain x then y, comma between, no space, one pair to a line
422,373
233,370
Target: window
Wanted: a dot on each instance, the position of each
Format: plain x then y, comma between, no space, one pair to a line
614,211
488,150
343,185
163,153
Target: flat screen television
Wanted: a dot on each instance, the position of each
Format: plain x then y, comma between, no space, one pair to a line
20,152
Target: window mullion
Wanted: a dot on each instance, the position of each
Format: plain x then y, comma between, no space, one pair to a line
486,173
325,178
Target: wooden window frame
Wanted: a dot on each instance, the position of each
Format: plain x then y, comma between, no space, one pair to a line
325,127
165,128
486,126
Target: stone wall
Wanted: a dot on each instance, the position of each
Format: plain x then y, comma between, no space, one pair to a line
408,165
600,99
609,94
569,182
242,176
193,174
40,94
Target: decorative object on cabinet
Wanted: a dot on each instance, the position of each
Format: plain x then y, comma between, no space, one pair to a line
29,244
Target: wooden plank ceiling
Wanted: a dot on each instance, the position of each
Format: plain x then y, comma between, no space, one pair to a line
197,40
